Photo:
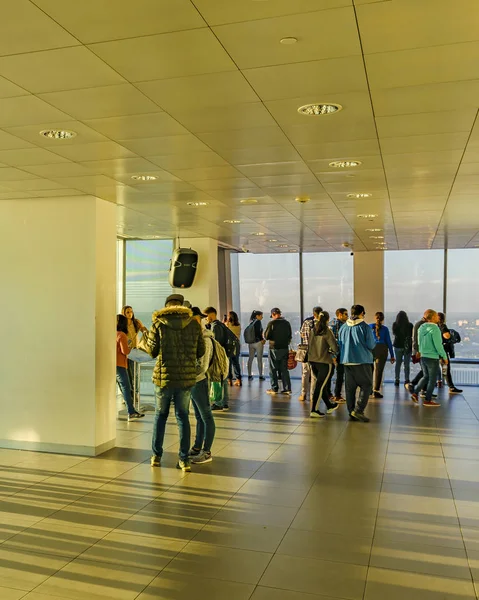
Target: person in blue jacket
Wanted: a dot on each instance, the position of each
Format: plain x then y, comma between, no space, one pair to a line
383,346
356,344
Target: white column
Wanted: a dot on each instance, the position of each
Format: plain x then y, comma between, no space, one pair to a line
369,281
58,357
204,291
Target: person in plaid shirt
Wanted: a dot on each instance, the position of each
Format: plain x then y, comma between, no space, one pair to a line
335,326
305,332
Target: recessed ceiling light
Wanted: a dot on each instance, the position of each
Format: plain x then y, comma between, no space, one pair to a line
232,221
288,41
292,250
345,164
282,246
366,216
249,201
376,237
272,241
197,203
58,134
374,230
144,177
302,199
258,233
360,195
319,109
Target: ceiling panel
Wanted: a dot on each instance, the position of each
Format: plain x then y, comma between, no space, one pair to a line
96,151
323,34
27,110
383,24
261,155
12,174
424,143
245,138
304,135
165,56
128,19
425,123
99,102
336,150
66,169
188,160
137,126
200,91
218,12
10,90
73,68
316,78
25,28
10,142
424,65
165,145
274,168
118,166
202,173
29,156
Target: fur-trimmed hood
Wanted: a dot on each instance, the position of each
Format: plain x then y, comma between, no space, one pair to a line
176,317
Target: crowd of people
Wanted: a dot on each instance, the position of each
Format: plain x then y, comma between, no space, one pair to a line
198,358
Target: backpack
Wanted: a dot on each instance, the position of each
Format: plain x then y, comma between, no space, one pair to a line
455,337
228,340
249,333
219,364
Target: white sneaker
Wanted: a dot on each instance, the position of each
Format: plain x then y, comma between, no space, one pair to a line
316,414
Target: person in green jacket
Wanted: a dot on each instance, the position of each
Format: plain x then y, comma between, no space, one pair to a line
431,351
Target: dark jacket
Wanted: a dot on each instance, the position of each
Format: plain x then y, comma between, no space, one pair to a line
403,336
415,343
218,329
258,331
278,333
175,339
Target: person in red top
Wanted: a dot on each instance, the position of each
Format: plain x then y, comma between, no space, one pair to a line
123,348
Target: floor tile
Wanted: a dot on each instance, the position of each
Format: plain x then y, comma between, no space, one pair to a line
418,532
238,511
25,570
134,550
241,535
242,566
56,539
264,593
420,558
354,524
316,576
169,586
327,546
11,594
398,585
256,492
83,579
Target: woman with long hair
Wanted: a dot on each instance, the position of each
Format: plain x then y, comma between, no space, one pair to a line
322,349
449,348
123,348
256,345
233,324
380,352
135,326
402,331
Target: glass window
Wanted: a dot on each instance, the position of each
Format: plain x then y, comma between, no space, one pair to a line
463,300
413,281
147,266
328,281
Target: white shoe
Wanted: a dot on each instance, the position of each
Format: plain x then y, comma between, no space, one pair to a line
316,414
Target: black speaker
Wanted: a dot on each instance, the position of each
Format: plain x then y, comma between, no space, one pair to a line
183,268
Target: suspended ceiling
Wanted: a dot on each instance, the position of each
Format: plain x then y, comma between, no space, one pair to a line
202,95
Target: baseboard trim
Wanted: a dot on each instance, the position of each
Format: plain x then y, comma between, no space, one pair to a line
58,448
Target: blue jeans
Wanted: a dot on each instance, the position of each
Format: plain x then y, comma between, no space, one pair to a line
403,355
181,399
278,364
235,367
430,368
205,423
123,381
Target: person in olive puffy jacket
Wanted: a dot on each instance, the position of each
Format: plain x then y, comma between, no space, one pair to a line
176,341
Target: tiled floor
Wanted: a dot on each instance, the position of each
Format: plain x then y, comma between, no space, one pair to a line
290,509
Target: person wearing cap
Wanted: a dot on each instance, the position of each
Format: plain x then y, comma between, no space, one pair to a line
279,334
200,453
176,341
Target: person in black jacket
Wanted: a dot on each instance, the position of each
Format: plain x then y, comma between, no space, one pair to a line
449,348
256,348
279,335
402,331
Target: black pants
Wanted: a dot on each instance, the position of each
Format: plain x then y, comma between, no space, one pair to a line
380,354
322,373
339,380
358,376
417,379
235,367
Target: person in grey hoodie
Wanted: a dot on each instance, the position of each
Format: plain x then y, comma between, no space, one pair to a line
322,350
356,343
200,453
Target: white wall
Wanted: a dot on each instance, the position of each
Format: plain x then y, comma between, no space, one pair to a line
204,291
369,282
53,321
